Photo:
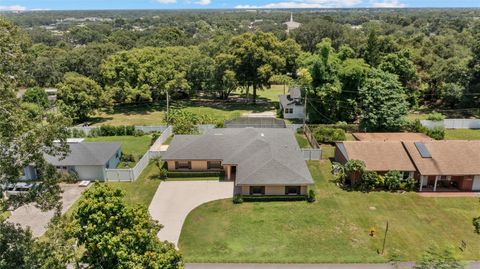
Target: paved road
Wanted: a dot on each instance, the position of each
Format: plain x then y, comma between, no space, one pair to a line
472,265
175,199
30,216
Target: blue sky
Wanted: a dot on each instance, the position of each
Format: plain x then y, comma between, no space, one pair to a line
194,4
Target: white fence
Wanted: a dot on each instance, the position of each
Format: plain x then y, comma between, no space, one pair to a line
131,174
453,123
294,127
156,147
312,154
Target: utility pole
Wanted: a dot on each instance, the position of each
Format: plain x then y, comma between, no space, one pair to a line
168,103
385,239
305,109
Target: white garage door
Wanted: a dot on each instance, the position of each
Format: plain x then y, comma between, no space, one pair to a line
476,183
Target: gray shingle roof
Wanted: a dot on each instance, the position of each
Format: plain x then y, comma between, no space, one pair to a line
86,153
263,156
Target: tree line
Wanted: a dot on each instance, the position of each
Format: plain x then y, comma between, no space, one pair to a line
428,58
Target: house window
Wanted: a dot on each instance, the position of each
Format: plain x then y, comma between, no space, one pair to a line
183,165
214,165
292,190
288,110
257,190
406,175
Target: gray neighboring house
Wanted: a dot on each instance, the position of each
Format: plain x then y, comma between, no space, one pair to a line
292,104
88,159
259,161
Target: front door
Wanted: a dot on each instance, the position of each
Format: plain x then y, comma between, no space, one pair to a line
233,173
476,183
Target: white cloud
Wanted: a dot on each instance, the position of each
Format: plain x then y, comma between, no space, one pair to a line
306,4
387,3
166,1
13,8
203,2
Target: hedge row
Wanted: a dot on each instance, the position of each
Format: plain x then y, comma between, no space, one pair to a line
107,130
350,128
273,198
194,174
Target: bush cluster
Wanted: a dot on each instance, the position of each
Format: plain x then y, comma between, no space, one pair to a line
328,135
128,158
352,128
312,196
476,224
194,174
70,177
435,116
273,198
437,133
391,181
237,199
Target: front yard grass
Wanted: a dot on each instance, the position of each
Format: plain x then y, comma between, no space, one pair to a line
462,134
141,191
135,145
335,229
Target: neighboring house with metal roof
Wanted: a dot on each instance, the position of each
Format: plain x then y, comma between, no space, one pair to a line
259,161
451,165
291,104
87,159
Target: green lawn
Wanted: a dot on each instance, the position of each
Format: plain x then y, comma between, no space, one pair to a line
270,95
302,141
462,134
143,189
135,145
334,229
154,114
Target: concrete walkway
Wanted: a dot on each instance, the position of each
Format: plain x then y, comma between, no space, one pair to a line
175,199
37,220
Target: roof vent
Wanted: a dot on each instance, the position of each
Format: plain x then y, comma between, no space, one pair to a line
422,149
262,134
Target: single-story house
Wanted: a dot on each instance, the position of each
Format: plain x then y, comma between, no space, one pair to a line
259,161
399,136
443,165
291,104
87,159
378,156
437,165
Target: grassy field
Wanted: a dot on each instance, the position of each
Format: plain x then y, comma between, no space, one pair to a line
135,145
270,95
334,229
462,134
154,114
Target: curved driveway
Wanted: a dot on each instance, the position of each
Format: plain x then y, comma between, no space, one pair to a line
175,199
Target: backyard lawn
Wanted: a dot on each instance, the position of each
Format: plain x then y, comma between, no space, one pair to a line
135,145
334,229
462,134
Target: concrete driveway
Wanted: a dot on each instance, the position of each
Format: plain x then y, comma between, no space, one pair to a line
30,216
175,199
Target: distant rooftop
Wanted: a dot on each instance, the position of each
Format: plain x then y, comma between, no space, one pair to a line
391,137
